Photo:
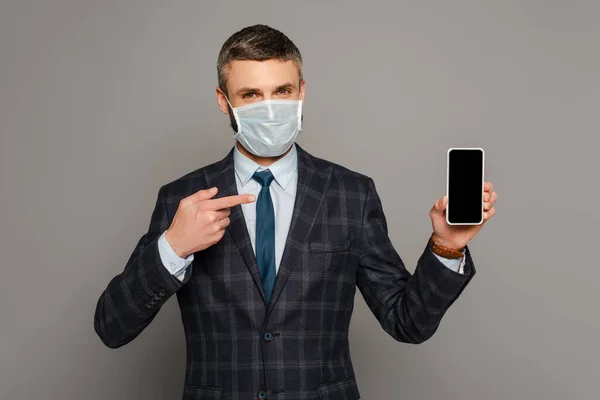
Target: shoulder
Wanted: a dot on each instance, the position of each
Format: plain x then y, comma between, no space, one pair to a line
341,173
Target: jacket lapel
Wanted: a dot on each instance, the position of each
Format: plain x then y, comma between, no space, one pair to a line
313,181
223,177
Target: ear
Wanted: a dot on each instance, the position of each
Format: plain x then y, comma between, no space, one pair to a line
302,89
222,101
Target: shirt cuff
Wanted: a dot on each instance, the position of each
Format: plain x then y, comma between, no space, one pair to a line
172,262
455,264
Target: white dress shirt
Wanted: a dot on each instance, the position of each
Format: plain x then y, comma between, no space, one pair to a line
283,194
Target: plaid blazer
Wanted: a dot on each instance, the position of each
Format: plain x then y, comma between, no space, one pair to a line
296,347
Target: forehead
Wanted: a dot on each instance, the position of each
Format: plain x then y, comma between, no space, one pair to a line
260,74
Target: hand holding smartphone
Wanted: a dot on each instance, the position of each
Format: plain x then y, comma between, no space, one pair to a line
464,185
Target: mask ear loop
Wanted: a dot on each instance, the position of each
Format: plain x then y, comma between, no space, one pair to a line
300,102
228,102
237,121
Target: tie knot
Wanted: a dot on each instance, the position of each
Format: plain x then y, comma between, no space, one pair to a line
264,177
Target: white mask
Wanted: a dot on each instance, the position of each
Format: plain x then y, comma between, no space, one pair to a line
268,128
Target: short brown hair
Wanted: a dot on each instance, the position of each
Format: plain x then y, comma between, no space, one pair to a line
258,43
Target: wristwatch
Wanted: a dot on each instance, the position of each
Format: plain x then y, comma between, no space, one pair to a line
444,251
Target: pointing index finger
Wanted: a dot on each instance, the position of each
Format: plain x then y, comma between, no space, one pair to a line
230,201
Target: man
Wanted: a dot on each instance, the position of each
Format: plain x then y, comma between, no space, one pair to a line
266,247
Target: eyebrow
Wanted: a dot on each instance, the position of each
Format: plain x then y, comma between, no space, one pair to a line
244,90
248,90
287,85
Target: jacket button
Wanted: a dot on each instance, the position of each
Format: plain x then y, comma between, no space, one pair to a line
162,292
149,306
268,336
261,394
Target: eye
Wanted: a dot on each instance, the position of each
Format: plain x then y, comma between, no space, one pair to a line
248,95
284,91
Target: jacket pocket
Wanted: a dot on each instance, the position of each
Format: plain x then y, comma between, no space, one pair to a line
345,389
338,246
197,392
328,259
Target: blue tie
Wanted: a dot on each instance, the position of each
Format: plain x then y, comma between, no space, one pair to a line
265,232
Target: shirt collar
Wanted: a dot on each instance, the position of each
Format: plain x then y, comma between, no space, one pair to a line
282,169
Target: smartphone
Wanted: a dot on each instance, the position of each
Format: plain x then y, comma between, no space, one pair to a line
464,185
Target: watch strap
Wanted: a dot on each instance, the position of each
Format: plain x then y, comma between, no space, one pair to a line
444,251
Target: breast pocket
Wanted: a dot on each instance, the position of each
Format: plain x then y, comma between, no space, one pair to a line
328,256
338,246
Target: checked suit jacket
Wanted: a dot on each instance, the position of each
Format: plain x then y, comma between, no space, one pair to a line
296,346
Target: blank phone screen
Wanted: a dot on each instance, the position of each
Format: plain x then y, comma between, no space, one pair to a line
465,181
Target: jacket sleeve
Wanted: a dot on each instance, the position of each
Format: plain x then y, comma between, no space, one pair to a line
133,298
408,307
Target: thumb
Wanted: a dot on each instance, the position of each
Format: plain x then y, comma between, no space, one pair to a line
440,205
204,194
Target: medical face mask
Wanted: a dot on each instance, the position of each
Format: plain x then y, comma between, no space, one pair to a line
268,128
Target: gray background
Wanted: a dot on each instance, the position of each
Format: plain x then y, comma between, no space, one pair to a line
102,102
